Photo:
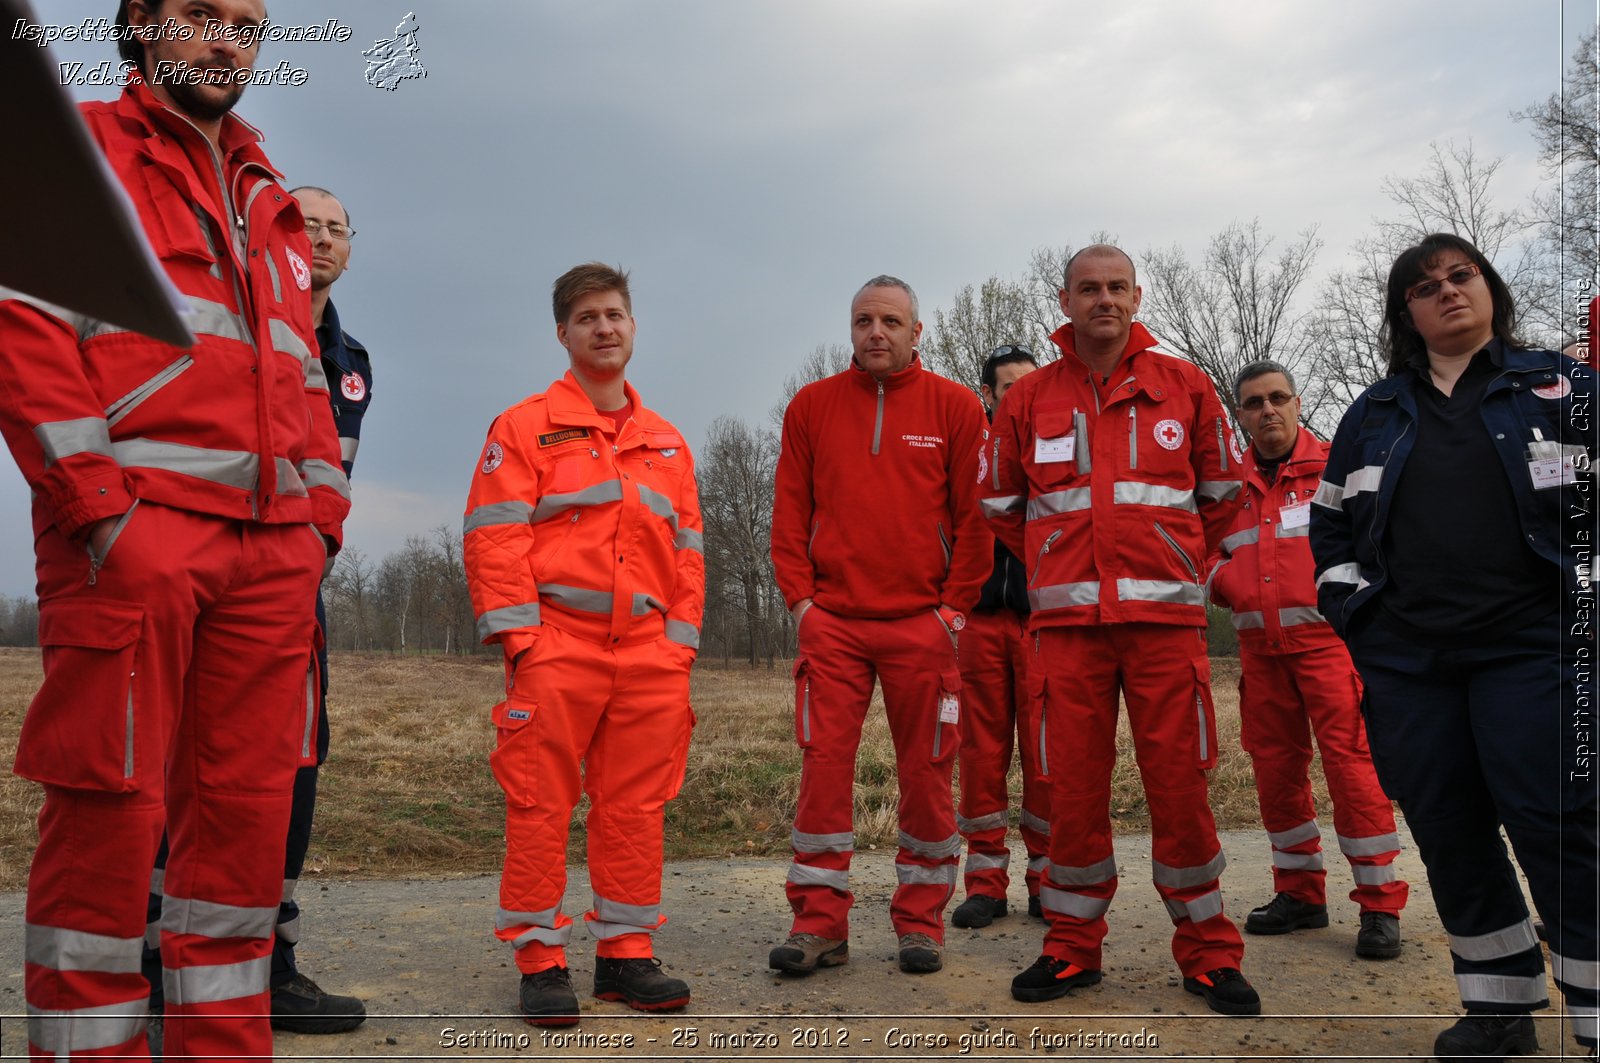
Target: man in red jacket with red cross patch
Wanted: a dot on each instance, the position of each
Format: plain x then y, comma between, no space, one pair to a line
1113,478
879,550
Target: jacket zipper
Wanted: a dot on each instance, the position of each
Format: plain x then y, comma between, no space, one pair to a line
1193,572
1038,564
97,560
815,527
124,406
995,464
877,427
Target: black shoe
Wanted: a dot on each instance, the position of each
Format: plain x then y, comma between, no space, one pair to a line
300,1006
639,984
978,910
1379,936
1050,978
1487,1035
1035,909
1285,913
547,998
1226,991
920,954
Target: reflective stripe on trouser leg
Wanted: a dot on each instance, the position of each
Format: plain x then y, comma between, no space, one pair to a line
633,766
988,727
1275,731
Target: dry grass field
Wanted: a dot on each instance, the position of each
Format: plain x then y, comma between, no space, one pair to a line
407,790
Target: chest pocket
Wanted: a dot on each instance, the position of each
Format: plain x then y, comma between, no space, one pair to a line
1056,450
186,231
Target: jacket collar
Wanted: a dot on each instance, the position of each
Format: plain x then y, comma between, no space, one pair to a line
570,404
138,103
1307,448
1139,339
898,379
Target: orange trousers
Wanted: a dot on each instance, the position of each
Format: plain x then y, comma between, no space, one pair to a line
610,722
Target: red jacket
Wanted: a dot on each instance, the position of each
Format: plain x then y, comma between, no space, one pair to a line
1113,495
1263,570
238,426
571,524
876,509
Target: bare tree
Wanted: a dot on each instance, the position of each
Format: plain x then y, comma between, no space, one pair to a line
979,321
347,591
824,360
1236,306
736,474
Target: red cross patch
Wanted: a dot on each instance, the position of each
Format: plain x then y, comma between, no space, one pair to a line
493,455
301,271
1169,434
353,387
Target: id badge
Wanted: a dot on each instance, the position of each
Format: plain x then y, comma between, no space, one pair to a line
949,708
1553,464
1296,516
1049,451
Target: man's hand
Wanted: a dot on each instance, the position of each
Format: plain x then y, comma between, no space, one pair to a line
799,610
99,532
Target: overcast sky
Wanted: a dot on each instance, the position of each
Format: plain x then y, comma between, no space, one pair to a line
753,161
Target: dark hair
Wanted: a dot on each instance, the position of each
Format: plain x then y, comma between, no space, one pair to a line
580,281
1261,368
1007,354
1401,341
129,45
296,190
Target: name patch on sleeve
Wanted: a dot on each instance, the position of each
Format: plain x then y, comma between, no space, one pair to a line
550,439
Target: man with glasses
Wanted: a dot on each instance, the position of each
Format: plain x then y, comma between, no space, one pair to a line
1296,678
1001,707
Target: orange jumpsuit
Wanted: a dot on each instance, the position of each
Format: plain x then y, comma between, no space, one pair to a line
583,553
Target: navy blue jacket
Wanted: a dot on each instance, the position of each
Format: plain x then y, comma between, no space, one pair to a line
1539,397
349,372
1007,585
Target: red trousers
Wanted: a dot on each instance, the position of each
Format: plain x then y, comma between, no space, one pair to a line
1283,698
1164,676
611,722
999,711
914,659
175,693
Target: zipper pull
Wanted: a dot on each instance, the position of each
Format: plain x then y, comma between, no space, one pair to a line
94,569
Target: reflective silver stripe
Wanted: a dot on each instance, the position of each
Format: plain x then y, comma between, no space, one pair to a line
348,445
1206,906
505,619
181,915
289,885
659,504
129,402
643,603
1177,592
1580,974
1001,505
1240,538
638,916
683,633
1181,877
231,468
318,473
988,861
917,875
1497,944
1376,845
1372,875
1366,478
1294,835
1299,614
689,539
152,934
938,850
1218,490
1039,864
158,880
597,495
1502,989
289,930
822,843
544,935
1064,595
1349,572
505,919
1250,620
316,376
285,340
1075,905
1133,493
1297,861
1088,875
62,1033
1328,496
496,514
576,598
62,439
805,875
208,319
222,981
289,480
1033,822
272,267
1585,1021
78,950
1071,500
986,822
601,930
1298,532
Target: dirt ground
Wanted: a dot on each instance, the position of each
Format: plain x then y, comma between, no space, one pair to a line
440,987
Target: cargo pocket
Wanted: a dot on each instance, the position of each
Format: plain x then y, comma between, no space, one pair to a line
947,719
512,758
680,755
82,728
802,700
1205,715
1044,724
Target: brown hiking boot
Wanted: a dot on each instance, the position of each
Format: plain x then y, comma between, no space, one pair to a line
804,953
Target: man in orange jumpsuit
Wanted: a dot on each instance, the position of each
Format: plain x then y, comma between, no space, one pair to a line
584,557
879,550
184,502
1112,480
1296,677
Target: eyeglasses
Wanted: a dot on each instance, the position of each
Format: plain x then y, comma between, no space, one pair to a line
1430,288
1280,399
335,229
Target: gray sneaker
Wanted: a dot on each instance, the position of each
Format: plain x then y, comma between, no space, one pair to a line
920,954
804,953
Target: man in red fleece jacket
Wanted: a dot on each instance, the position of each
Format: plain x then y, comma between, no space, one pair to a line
879,548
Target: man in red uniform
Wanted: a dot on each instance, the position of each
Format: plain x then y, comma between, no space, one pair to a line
1112,480
1296,677
879,550
585,560
1000,709
184,504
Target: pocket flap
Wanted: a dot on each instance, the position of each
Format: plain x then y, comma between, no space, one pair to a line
950,682
93,623
1053,424
512,713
